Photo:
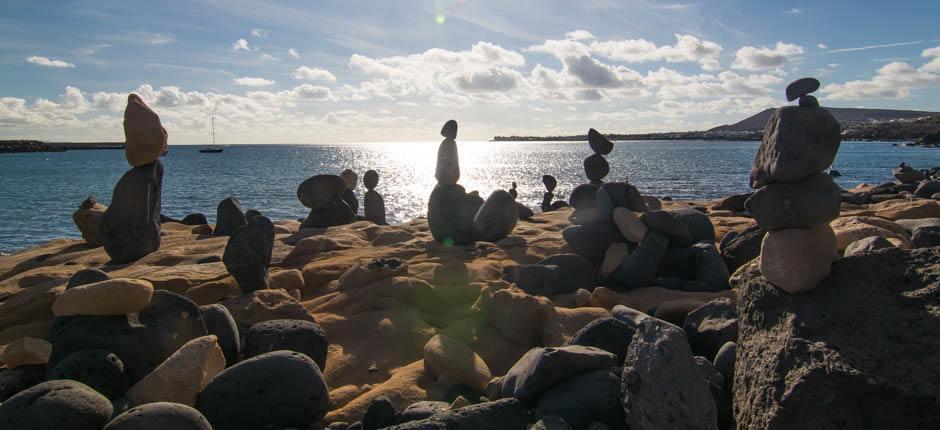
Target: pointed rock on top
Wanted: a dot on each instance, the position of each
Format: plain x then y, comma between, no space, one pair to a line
801,87
600,144
144,136
550,182
449,130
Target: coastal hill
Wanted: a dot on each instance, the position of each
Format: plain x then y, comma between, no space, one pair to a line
843,115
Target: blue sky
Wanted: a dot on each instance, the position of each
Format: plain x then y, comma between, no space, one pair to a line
358,71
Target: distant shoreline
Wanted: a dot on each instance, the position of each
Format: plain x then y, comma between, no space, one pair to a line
22,146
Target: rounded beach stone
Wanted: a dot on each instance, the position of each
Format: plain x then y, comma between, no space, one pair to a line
551,422
144,136
447,171
575,271
88,220
535,279
610,334
583,196
13,381
616,254
868,244
26,351
228,217
423,409
337,212
195,218
455,365
349,197
641,267
160,416
370,179
724,362
449,130
87,276
130,227
550,182
667,224
809,101
374,207
541,368
585,398
814,200
350,178
219,321
279,389
599,143
612,195
797,142
58,404
927,189
591,240
318,191
698,223
596,167
110,297
248,254
301,336
451,212
710,326
380,414
629,225
182,375
496,217
797,259
801,87
99,369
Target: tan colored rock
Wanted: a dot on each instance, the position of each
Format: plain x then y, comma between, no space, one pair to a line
213,292
460,402
851,229
368,271
648,298
454,364
26,351
629,225
797,259
181,377
112,297
582,297
87,221
144,136
291,279
264,305
201,229
614,257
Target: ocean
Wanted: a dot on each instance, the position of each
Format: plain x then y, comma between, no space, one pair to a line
40,191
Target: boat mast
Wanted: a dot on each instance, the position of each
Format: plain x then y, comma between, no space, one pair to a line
213,130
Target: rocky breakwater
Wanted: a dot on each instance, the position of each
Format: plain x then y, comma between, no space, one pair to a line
796,200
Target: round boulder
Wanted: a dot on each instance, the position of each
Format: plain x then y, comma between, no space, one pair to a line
159,416
87,276
99,369
300,336
59,404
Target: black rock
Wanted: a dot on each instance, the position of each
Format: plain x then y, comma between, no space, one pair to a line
808,101
219,321
165,219
583,196
610,334
195,218
798,142
742,248
734,203
575,272
670,226
599,143
248,254
812,201
592,240
710,268
855,198
318,191
87,276
59,404
370,179
542,368
801,87
251,213
279,389
228,217
629,315
927,189
535,279
724,363
300,336
641,267
160,416
449,130
550,183
496,217
374,206
596,167
504,414
585,398
907,175
450,214
337,212
380,414
613,195
423,409
710,326
523,211
698,223
721,396
88,203
926,237
130,227
350,198
19,378
101,370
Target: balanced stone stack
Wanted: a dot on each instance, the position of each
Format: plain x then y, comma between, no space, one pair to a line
456,217
523,211
130,227
248,254
548,204
795,198
372,202
323,194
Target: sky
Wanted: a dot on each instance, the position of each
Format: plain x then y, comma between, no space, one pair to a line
395,70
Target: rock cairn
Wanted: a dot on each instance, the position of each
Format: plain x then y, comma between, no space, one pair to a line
228,217
130,227
349,194
795,198
548,204
323,194
372,202
456,217
248,254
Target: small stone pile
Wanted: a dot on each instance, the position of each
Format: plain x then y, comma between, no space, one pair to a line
373,203
323,194
547,204
130,227
456,217
795,198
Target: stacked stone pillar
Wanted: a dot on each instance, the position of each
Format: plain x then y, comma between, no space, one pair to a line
795,199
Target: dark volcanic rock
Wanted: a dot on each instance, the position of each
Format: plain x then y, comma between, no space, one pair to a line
423,409
449,130
370,179
583,196
662,385
550,183
219,321
798,142
610,334
279,389
808,101
613,195
814,200
160,416
858,351
534,279
451,211
670,226
596,167
734,203
496,217
350,198
742,247
641,267
248,254
542,368
130,227
575,272
300,336
228,216
600,144
592,240
374,206
698,223
87,276
195,218
59,404
336,212
504,414
380,414
318,191
585,398
927,189
868,244
14,380
447,169
101,370
710,326
801,87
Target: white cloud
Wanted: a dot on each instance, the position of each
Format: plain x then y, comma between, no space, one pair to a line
293,53
580,35
241,45
893,80
259,32
269,57
253,82
495,79
751,58
313,74
686,49
793,11
822,46
46,62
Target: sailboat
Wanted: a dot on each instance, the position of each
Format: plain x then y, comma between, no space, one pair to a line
213,149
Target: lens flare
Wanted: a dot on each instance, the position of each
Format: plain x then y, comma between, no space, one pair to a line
439,19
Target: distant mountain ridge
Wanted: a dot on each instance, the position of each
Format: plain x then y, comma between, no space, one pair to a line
843,115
